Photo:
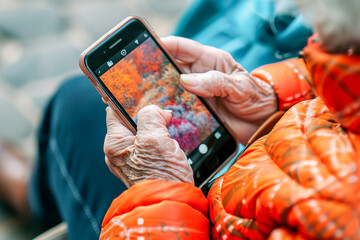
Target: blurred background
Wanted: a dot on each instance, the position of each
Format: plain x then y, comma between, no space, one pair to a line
40,43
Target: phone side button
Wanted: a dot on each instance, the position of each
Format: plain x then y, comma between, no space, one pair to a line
93,82
110,103
104,97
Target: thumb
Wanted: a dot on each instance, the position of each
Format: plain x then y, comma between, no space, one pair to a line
114,124
209,84
152,119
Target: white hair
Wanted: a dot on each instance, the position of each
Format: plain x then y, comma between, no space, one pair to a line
337,22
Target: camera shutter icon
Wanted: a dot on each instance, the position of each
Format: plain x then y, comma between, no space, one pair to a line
110,63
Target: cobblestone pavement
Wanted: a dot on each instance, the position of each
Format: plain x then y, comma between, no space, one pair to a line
40,43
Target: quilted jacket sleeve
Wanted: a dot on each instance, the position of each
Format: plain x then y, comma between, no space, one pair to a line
301,181
158,209
290,80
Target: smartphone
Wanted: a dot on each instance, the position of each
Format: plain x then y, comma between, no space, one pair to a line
130,68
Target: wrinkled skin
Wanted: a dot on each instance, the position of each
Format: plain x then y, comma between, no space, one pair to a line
241,100
151,154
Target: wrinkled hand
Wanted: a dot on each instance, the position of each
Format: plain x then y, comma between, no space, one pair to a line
241,100
151,154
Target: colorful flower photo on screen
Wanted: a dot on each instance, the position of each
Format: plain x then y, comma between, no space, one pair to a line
145,76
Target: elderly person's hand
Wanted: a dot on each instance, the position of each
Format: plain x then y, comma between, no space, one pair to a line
241,100
150,154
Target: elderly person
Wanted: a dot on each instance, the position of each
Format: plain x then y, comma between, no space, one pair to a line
70,181
301,181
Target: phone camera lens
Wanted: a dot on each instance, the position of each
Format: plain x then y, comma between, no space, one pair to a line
104,51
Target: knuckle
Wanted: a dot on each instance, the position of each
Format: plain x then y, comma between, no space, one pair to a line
109,151
154,142
216,81
116,147
148,110
227,57
214,77
228,63
147,140
112,146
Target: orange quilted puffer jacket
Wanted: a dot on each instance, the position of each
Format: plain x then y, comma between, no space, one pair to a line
301,181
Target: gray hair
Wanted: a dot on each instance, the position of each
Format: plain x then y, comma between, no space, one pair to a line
337,22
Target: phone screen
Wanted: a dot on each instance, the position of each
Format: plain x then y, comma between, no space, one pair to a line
156,81
138,74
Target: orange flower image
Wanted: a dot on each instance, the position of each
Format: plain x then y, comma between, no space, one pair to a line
145,76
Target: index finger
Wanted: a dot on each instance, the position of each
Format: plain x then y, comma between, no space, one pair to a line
183,49
200,58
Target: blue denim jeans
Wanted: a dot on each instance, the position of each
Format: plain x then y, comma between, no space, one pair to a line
71,181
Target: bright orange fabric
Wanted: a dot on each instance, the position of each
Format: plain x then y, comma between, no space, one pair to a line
290,80
336,78
302,176
284,234
157,209
301,181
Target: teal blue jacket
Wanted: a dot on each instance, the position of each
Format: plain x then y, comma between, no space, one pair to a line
251,30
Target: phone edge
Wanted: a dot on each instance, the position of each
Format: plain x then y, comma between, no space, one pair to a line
92,78
109,102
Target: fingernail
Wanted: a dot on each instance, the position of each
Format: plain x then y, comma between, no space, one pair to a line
189,79
169,111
